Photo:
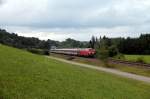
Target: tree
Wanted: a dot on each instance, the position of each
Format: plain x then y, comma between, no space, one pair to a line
113,51
92,42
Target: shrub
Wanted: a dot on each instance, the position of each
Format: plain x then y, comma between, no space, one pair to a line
120,56
140,60
46,52
113,51
38,51
102,54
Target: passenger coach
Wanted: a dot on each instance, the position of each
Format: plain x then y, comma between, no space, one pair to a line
75,51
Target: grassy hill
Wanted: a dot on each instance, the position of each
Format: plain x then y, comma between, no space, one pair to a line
27,76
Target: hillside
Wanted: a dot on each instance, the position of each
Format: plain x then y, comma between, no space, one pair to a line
27,76
12,39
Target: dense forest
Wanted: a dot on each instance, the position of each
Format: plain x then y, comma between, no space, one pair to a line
139,45
14,40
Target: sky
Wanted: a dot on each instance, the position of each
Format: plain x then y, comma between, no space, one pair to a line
77,19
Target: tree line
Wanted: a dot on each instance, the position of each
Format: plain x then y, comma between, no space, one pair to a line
112,46
109,46
14,40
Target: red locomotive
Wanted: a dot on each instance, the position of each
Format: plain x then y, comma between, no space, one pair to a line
75,51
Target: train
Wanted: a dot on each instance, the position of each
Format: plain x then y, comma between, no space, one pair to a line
85,52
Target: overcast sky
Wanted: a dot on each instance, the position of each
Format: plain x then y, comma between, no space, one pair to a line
77,19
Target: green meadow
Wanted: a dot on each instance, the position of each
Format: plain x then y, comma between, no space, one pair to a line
145,58
27,76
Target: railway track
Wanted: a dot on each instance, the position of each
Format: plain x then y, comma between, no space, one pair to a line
114,61
111,60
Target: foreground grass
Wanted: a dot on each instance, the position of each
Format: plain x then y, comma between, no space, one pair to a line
27,76
146,58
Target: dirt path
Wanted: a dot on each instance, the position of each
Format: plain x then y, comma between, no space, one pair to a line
117,72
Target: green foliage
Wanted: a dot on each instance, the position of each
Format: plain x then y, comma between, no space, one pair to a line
105,48
71,43
140,60
14,40
120,56
139,45
38,51
28,76
92,42
102,53
113,51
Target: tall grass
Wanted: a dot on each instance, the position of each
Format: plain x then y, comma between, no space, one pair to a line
144,58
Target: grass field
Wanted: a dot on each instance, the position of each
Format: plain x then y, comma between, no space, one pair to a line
27,76
146,58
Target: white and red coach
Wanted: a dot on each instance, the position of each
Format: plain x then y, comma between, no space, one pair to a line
75,51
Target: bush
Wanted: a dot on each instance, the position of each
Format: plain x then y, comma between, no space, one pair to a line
46,52
140,60
113,51
120,56
102,54
38,51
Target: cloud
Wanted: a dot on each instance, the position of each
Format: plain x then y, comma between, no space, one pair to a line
77,14
67,17
1,2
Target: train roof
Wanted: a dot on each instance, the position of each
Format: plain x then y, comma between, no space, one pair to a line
73,49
